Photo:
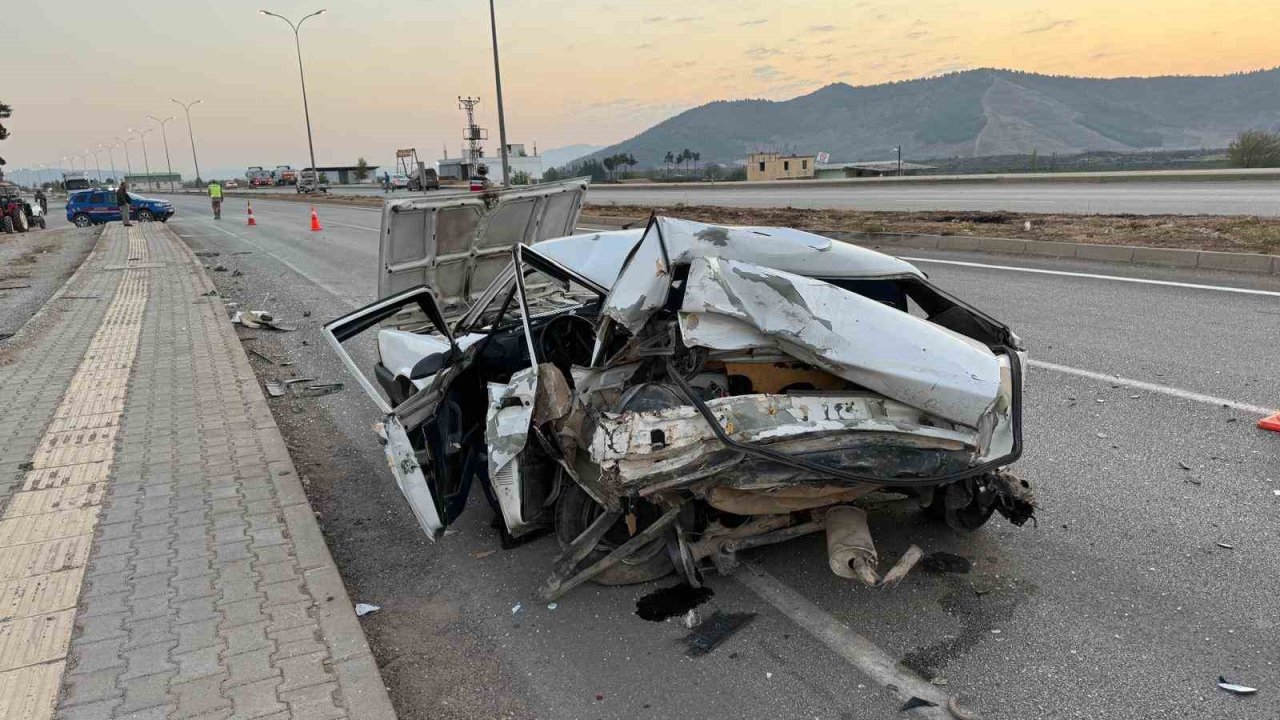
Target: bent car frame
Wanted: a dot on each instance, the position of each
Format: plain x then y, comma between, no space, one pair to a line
665,397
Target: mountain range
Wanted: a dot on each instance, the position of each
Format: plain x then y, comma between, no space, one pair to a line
974,113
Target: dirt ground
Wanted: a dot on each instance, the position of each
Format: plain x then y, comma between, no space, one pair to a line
1191,232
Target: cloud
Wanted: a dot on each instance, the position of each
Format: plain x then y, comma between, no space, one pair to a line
765,72
822,28
748,23
759,52
1051,25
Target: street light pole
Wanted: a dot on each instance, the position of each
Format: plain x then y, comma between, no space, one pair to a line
899,149
190,133
306,110
97,163
142,138
128,163
502,119
166,146
112,157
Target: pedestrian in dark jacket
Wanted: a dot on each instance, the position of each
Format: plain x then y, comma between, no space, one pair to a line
122,199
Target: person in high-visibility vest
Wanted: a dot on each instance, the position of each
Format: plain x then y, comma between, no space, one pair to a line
215,197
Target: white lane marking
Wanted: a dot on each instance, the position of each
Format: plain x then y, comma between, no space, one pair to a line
358,227
1095,276
841,639
1151,387
314,280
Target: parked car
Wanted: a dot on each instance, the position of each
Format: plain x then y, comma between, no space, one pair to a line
399,182
666,397
230,185
92,207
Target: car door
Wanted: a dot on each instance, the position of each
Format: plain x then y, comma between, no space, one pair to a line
101,207
425,489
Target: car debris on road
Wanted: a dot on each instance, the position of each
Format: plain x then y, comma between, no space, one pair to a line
668,396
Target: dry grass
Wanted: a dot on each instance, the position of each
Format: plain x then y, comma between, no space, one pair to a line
1192,232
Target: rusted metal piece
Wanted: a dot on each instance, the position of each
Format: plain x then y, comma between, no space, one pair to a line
644,537
579,549
850,550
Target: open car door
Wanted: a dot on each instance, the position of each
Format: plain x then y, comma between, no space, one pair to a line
458,244
428,493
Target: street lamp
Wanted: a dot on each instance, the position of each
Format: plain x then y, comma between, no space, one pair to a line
190,133
112,157
166,145
297,43
97,163
502,119
142,138
899,149
124,142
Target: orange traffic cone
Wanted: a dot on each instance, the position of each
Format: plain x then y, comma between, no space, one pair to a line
1271,422
315,220
252,220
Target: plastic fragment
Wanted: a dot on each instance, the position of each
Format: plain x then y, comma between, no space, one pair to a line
515,609
713,631
363,609
1234,688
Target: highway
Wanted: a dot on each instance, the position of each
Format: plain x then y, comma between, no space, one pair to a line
1121,602
1229,197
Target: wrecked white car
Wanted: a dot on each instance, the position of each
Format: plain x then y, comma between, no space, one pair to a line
665,397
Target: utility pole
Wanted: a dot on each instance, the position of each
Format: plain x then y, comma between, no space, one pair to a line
502,120
191,134
166,146
473,134
305,109
899,149
97,163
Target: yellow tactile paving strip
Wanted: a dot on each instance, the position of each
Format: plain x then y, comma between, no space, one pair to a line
47,526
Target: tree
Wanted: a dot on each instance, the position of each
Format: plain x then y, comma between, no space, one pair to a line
520,177
609,163
552,175
5,112
713,171
362,169
669,160
631,161
695,157
1255,149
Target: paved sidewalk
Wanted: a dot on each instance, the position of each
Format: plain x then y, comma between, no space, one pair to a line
158,557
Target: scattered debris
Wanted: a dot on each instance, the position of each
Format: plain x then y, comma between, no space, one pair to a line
13,287
672,601
1183,465
315,390
26,466
211,293
259,318
207,253
945,562
515,609
363,609
916,702
275,388
1234,688
713,631
237,273
691,619
481,554
552,606
1228,546
306,313
262,355
220,268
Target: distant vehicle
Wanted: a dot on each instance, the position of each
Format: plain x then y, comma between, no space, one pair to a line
285,175
93,207
309,182
75,180
259,176
420,176
19,215
230,185
399,181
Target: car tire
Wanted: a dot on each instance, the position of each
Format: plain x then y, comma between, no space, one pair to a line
145,216
81,220
41,222
575,511
8,224
20,222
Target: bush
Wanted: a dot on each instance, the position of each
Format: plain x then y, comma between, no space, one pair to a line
1255,149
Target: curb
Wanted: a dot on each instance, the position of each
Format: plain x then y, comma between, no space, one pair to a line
57,294
1124,254
362,690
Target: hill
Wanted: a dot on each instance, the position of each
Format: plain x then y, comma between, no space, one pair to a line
974,113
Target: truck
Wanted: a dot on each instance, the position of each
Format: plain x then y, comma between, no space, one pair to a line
310,182
285,175
75,180
257,176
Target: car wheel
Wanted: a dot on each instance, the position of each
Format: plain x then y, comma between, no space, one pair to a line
81,220
145,216
966,518
41,222
20,222
575,511
8,224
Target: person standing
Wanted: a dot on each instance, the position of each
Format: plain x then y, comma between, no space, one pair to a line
122,199
43,200
215,199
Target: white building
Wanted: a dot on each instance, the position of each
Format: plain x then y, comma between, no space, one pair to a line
461,168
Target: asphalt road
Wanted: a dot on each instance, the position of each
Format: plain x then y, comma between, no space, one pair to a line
1233,197
1120,603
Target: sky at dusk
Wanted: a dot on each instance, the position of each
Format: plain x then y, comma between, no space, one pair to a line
387,74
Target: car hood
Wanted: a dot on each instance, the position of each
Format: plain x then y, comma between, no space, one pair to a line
457,244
